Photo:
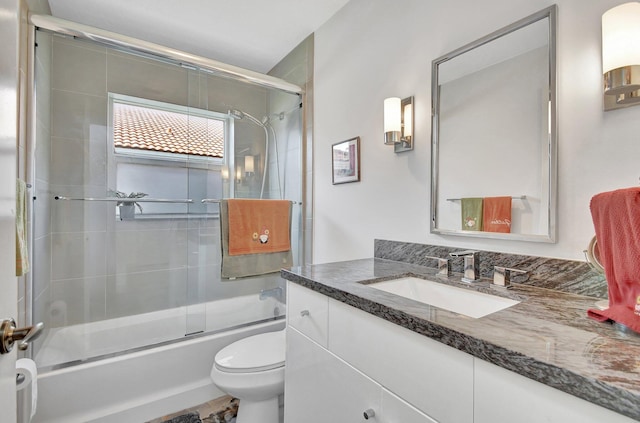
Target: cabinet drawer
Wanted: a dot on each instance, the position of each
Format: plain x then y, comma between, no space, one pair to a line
395,410
433,377
307,312
320,388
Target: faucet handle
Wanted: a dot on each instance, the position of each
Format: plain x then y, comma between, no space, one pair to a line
502,276
444,265
464,253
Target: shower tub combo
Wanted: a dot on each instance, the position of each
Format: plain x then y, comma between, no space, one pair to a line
147,382
134,307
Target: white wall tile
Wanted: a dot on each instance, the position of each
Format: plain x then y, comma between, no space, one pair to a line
74,115
78,68
83,300
135,293
78,255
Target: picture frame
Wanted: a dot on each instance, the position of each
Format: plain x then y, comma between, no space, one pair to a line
345,161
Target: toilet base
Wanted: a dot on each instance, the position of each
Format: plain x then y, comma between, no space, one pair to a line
265,411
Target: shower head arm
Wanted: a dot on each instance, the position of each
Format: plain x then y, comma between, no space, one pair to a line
239,114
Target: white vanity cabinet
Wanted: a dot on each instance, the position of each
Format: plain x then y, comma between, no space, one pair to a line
369,364
342,361
502,396
434,377
320,388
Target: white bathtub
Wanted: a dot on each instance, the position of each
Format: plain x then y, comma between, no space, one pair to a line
144,384
85,341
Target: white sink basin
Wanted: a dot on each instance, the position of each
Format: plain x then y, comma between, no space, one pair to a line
463,301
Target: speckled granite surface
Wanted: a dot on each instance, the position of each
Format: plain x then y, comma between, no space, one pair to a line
575,277
546,337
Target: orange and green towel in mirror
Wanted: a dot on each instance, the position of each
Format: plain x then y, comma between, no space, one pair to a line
471,214
496,214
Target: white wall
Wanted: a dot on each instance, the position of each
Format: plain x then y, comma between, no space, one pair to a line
373,49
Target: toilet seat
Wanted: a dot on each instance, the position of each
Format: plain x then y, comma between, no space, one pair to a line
256,353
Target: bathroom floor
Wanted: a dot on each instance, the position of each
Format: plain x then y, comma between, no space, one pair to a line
207,411
210,410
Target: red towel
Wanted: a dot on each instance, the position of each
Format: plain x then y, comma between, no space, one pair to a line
258,226
496,214
616,217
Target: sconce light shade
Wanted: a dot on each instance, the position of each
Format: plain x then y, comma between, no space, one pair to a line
248,164
398,123
224,172
392,120
621,55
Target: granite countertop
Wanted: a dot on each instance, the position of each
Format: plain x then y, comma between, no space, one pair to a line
546,337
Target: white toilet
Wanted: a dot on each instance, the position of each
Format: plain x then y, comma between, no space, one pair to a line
252,370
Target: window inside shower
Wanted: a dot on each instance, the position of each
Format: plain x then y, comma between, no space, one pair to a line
106,283
160,147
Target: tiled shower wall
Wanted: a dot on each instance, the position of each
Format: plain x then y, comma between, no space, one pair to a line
297,68
92,266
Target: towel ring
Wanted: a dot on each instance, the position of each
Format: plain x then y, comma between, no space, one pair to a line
592,255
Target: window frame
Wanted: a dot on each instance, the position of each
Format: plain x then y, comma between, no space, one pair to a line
165,158
117,155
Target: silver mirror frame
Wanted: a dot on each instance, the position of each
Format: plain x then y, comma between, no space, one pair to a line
548,13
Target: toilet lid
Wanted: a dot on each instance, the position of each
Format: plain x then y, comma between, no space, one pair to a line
253,354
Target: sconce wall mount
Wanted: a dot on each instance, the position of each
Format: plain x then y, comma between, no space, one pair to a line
398,123
621,56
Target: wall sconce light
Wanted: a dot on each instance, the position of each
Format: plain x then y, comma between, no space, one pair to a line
398,123
248,165
224,172
238,174
621,56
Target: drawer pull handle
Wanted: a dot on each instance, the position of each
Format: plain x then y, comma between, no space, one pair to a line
369,413
304,313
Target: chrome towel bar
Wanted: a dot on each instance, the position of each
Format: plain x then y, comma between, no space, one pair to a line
127,199
217,200
518,197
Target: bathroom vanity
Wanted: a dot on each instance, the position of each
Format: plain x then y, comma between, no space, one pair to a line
356,353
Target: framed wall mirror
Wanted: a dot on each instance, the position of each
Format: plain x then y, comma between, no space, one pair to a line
494,135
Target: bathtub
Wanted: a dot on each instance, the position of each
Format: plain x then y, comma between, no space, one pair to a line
145,383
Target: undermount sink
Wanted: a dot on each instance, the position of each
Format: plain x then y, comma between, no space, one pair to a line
458,300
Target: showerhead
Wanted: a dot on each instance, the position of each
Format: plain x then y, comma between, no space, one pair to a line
239,114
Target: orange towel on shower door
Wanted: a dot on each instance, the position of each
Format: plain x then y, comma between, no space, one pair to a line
496,214
258,226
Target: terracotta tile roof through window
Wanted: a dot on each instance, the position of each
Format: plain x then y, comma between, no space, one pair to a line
144,128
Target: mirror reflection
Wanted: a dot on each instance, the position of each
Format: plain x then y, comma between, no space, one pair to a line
494,134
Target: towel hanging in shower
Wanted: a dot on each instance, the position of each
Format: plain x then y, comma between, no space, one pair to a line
255,239
258,226
22,253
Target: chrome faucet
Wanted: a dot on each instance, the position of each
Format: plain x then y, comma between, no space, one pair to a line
502,276
277,293
471,265
444,266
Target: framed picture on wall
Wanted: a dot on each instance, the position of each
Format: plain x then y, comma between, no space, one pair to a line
345,161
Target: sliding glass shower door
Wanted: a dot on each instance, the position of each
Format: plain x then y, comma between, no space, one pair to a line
131,158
